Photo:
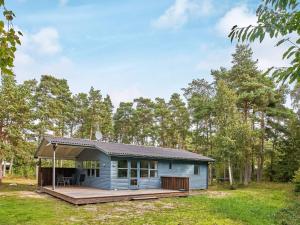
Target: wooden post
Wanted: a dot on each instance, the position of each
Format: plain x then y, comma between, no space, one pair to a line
37,172
4,168
53,167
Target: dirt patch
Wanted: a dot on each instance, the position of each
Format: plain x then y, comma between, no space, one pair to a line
90,208
168,206
30,194
212,194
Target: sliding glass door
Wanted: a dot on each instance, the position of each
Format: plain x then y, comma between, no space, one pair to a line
133,174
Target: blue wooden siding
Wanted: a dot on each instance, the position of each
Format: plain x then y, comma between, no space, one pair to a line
108,178
179,168
103,181
185,169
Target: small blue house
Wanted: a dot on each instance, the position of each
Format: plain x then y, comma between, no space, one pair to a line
115,166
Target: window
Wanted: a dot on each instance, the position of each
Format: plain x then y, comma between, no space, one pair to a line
92,167
148,168
122,168
144,168
153,168
196,169
133,169
170,165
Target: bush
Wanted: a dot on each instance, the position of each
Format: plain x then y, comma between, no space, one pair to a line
297,181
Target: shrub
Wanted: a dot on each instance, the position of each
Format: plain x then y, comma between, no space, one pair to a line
297,181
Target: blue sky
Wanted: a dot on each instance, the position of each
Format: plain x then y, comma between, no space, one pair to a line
131,48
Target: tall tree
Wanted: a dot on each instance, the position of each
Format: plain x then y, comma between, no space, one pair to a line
162,122
123,123
15,117
180,122
106,126
199,95
81,104
227,121
94,111
245,79
53,102
143,118
278,19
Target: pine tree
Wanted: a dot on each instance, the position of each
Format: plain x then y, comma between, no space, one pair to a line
227,122
162,124
106,126
143,119
199,95
180,122
123,123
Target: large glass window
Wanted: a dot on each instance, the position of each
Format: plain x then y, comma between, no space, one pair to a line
133,169
122,168
196,169
148,168
153,168
144,168
92,167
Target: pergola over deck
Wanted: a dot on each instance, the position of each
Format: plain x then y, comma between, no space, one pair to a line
55,151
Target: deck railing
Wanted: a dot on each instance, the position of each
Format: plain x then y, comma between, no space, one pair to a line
175,183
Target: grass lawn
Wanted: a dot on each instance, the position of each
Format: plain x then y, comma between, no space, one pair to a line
261,204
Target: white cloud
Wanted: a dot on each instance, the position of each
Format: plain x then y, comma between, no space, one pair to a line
40,53
240,16
181,12
63,2
47,41
267,54
214,57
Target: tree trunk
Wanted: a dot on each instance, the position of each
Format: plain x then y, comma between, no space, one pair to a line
4,168
11,165
1,170
261,153
241,174
230,174
246,153
246,175
91,132
210,174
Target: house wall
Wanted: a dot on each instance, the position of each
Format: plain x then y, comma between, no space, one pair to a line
108,178
103,181
179,168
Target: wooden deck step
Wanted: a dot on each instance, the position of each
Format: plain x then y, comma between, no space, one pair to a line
144,198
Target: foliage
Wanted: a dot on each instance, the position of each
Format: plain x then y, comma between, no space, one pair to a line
296,181
9,39
279,19
199,95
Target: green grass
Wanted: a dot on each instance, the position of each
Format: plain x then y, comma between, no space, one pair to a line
261,204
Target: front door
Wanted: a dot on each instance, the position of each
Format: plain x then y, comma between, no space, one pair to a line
133,181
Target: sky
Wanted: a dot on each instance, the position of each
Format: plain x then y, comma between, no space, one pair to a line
131,48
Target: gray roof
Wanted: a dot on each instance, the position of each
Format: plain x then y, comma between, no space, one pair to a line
117,149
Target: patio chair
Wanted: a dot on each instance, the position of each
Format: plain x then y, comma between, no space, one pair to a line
60,180
81,178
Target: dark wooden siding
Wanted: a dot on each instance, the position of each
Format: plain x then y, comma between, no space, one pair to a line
175,183
45,174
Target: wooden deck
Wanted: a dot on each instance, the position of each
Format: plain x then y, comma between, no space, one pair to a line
88,195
